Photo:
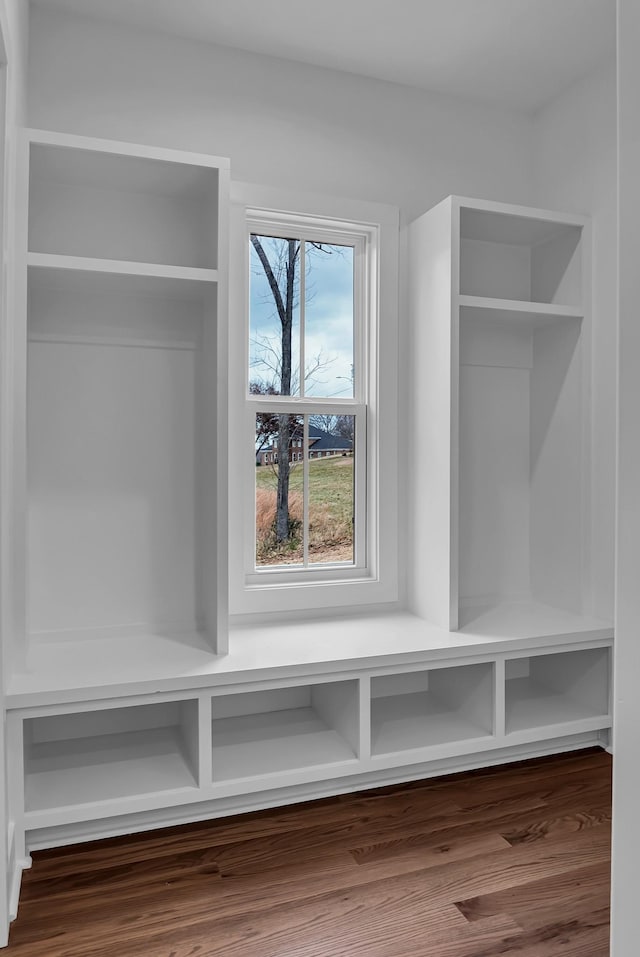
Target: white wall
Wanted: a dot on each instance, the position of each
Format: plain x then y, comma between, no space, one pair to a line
14,28
574,169
14,17
292,125
281,123
626,779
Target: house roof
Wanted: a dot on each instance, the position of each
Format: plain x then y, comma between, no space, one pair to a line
319,441
325,441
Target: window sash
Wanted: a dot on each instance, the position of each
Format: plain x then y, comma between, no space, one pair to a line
310,572
295,227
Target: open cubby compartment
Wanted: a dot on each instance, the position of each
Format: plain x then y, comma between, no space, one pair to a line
439,706
121,467
109,205
509,256
561,688
80,758
285,729
522,466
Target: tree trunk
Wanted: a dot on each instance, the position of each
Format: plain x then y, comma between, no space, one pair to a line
284,307
284,437
282,499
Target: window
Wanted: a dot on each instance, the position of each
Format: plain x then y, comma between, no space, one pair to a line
307,388
314,511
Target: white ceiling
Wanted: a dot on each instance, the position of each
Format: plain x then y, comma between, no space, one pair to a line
517,53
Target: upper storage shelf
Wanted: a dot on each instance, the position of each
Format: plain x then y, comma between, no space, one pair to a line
504,255
121,206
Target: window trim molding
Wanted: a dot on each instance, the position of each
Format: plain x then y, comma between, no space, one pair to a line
268,591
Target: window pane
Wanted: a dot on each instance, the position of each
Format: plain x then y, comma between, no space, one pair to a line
328,322
274,324
281,532
331,489
279,479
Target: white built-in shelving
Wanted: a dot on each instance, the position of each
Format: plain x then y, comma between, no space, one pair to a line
124,284
112,758
120,715
500,433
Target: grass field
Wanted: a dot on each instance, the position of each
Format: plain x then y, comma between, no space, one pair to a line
330,512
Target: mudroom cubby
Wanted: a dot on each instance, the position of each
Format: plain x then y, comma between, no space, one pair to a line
499,478
107,757
424,709
123,278
280,730
521,457
564,688
114,370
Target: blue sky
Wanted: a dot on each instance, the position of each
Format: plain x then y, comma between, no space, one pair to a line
328,320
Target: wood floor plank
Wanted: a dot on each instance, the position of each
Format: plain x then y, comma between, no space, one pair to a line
544,829
587,936
510,817
355,922
240,897
502,861
242,894
575,788
540,895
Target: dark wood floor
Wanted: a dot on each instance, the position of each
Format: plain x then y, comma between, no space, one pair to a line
507,861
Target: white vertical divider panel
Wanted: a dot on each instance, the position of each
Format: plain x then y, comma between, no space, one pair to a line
365,717
499,695
467,689
213,583
14,451
588,452
15,728
190,731
205,718
222,578
211,483
8,105
433,414
337,704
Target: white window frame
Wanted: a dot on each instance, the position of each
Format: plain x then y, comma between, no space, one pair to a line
373,578
363,241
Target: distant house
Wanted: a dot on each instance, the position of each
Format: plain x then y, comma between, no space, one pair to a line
321,445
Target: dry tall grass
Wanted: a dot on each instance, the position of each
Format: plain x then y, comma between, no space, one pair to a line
326,534
266,510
